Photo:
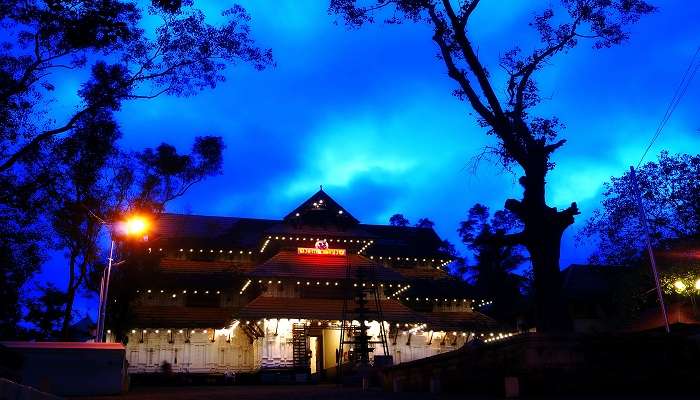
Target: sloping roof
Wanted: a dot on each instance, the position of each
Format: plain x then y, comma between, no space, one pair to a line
244,233
322,309
323,203
174,265
422,273
290,264
407,241
248,233
182,317
352,231
448,287
679,250
678,313
588,282
467,320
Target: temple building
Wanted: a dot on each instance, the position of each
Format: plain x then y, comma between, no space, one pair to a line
238,295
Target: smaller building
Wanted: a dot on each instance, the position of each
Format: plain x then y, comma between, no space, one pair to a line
600,298
61,368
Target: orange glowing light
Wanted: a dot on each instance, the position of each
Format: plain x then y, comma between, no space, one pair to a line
136,225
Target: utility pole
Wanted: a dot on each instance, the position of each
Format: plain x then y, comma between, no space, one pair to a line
647,236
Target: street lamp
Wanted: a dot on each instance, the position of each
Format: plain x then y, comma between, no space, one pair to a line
133,226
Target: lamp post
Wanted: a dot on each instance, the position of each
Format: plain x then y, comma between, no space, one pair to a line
132,226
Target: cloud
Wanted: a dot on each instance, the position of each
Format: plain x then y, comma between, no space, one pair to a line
369,114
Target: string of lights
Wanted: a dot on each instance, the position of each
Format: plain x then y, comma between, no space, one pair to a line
474,303
245,286
221,251
366,244
415,259
404,328
398,292
497,337
184,291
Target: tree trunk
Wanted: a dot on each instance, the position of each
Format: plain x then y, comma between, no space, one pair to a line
544,227
70,297
551,312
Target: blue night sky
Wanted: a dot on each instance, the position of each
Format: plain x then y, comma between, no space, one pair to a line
369,115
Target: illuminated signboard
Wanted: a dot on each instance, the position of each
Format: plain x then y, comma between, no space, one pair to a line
321,247
313,250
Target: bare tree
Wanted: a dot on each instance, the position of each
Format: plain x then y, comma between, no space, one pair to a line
525,140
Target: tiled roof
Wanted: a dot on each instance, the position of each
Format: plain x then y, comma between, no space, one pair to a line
321,309
244,233
173,265
591,282
248,233
678,313
182,317
290,264
327,231
447,287
421,273
406,241
464,320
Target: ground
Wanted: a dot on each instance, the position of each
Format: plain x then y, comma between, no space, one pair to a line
313,392
306,392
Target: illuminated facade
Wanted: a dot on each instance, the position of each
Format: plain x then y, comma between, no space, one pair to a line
241,294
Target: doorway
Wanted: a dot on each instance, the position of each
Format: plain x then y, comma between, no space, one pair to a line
316,356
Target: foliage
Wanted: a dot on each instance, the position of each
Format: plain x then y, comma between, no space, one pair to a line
20,258
182,56
524,139
425,223
492,273
670,191
167,175
100,185
46,311
21,254
62,175
399,220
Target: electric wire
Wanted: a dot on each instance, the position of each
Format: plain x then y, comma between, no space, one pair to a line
680,91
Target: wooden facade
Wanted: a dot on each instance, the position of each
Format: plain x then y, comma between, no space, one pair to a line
234,294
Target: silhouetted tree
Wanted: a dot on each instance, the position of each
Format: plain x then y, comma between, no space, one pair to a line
525,139
20,258
184,55
425,223
99,184
21,241
670,191
121,61
166,175
84,187
399,220
45,312
492,273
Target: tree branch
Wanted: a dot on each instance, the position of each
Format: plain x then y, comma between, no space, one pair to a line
514,239
454,72
516,207
152,96
472,60
467,12
566,217
14,158
551,148
527,71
